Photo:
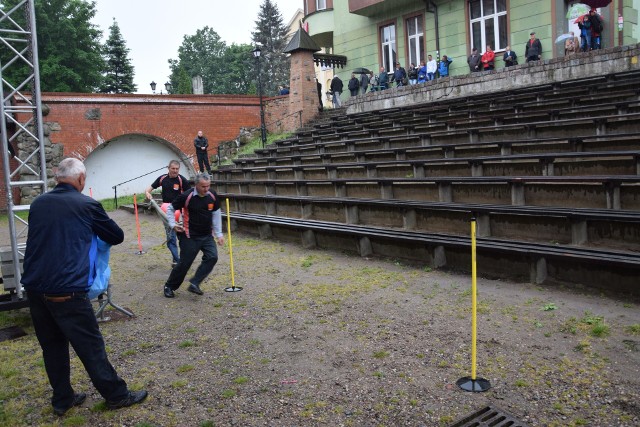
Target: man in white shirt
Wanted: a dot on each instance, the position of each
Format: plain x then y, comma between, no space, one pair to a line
432,66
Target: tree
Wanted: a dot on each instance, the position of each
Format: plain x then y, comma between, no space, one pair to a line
270,35
69,46
118,77
201,55
184,82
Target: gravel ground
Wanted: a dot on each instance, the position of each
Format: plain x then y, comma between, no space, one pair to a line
320,338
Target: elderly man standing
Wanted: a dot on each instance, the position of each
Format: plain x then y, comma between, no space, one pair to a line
173,184
533,49
61,248
202,220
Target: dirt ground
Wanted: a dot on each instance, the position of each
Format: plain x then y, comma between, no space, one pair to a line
320,338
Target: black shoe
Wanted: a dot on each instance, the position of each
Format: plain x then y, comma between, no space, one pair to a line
168,292
195,289
78,398
173,264
133,398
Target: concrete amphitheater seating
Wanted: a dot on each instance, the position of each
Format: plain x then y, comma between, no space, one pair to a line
551,175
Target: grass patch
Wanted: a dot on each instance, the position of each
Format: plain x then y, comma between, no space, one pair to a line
633,329
380,354
186,343
185,368
254,144
179,383
228,393
241,380
109,205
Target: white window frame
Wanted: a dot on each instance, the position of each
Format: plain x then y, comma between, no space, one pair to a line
415,57
388,46
495,44
321,4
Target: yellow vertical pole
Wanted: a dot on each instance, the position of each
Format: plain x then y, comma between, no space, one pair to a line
474,301
233,281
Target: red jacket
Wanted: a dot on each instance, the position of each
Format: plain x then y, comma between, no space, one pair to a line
487,59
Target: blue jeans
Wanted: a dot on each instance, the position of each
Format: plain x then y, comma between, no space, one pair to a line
59,323
189,248
172,243
431,76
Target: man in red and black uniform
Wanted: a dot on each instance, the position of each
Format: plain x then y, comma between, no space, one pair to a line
173,184
202,223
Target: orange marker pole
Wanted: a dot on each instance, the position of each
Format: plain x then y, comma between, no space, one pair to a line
135,209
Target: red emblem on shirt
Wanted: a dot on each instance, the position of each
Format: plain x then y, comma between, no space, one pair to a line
210,206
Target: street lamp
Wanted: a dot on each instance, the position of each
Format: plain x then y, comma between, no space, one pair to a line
153,86
168,86
263,130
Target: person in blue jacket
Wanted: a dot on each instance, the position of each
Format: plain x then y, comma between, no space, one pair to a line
443,66
59,265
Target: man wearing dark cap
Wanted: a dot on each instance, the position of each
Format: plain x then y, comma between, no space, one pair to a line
533,50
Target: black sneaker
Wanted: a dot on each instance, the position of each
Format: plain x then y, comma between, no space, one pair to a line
168,292
78,399
133,398
195,289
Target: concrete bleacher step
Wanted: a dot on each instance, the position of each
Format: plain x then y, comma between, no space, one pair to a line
528,261
550,171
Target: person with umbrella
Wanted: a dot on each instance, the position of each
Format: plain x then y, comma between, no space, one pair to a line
571,44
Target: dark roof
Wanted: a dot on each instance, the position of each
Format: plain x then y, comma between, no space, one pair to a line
301,41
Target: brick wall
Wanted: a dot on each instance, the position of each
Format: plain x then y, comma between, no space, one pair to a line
86,120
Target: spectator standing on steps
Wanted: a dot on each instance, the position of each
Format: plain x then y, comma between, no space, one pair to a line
202,220
336,91
510,58
474,61
432,67
488,58
59,262
202,144
354,85
364,82
173,184
533,49
383,79
319,89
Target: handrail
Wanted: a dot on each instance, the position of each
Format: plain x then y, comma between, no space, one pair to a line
299,113
115,187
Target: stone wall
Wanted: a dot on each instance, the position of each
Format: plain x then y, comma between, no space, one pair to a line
582,65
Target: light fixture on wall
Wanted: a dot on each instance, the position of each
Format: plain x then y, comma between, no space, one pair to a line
263,131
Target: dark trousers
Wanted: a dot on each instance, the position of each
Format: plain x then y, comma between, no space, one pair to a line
203,161
59,323
189,248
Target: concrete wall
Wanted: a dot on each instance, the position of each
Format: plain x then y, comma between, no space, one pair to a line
582,65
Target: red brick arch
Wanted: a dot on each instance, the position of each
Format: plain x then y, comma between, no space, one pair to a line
81,122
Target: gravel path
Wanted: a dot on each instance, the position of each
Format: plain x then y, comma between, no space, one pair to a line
332,339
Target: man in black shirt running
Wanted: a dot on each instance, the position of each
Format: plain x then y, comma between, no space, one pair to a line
202,220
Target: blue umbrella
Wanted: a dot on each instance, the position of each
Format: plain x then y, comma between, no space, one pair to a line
563,37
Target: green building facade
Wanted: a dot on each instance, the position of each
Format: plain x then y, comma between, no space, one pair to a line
371,33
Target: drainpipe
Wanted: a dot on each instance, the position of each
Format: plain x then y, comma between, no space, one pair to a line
433,8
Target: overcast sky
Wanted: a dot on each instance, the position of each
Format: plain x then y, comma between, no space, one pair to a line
154,29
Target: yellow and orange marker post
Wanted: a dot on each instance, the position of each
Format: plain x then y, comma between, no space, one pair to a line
233,287
473,383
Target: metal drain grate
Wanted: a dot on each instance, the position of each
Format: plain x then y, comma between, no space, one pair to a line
489,416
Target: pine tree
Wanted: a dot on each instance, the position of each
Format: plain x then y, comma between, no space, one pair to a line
119,72
270,36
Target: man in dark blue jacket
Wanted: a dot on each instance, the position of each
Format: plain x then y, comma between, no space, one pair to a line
59,265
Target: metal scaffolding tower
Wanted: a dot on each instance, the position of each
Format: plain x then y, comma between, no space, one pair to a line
21,113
